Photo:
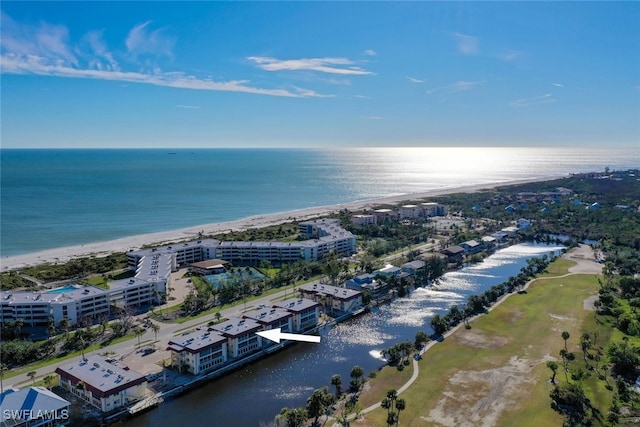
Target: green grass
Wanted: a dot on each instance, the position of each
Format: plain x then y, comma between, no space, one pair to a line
525,331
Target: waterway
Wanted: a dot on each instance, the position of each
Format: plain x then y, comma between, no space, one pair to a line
254,395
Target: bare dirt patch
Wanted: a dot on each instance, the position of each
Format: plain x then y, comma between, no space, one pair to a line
478,339
589,303
477,398
515,316
584,257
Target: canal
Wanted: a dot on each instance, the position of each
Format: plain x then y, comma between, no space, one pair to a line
254,395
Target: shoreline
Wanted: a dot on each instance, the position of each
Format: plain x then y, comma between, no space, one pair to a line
125,244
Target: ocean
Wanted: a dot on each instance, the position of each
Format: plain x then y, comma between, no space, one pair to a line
61,197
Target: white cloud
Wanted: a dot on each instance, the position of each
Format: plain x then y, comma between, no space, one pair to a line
467,45
188,107
414,80
39,66
509,55
374,118
526,102
557,84
142,40
370,52
362,96
100,57
45,50
324,65
458,86
41,40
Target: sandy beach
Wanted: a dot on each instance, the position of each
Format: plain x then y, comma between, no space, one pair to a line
125,244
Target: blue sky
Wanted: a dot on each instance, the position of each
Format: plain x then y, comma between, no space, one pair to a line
247,74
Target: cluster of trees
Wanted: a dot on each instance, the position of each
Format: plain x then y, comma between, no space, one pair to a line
619,363
241,282
399,354
18,352
389,236
321,402
394,405
13,280
619,298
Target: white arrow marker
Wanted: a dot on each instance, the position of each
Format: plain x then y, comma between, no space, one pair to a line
276,335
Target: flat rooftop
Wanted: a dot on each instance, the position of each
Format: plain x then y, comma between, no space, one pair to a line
334,291
196,341
267,315
297,305
100,376
234,327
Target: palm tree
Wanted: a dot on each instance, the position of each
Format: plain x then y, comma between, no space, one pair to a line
356,373
138,331
318,403
155,328
401,404
32,375
392,418
19,325
565,337
554,368
51,327
48,380
336,380
64,325
386,404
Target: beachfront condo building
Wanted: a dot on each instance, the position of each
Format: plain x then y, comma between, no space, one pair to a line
82,304
430,209
76,303
324,236
102,384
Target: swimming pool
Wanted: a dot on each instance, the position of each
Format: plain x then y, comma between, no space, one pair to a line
62,290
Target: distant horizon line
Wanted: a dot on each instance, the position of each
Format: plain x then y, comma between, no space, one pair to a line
333,147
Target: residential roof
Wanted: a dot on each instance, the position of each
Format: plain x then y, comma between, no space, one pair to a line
334,291
173,248
388,269
195,342
99,376
235,327
296,305
80,293
31,401
415,264
210,263
267,315
453,250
